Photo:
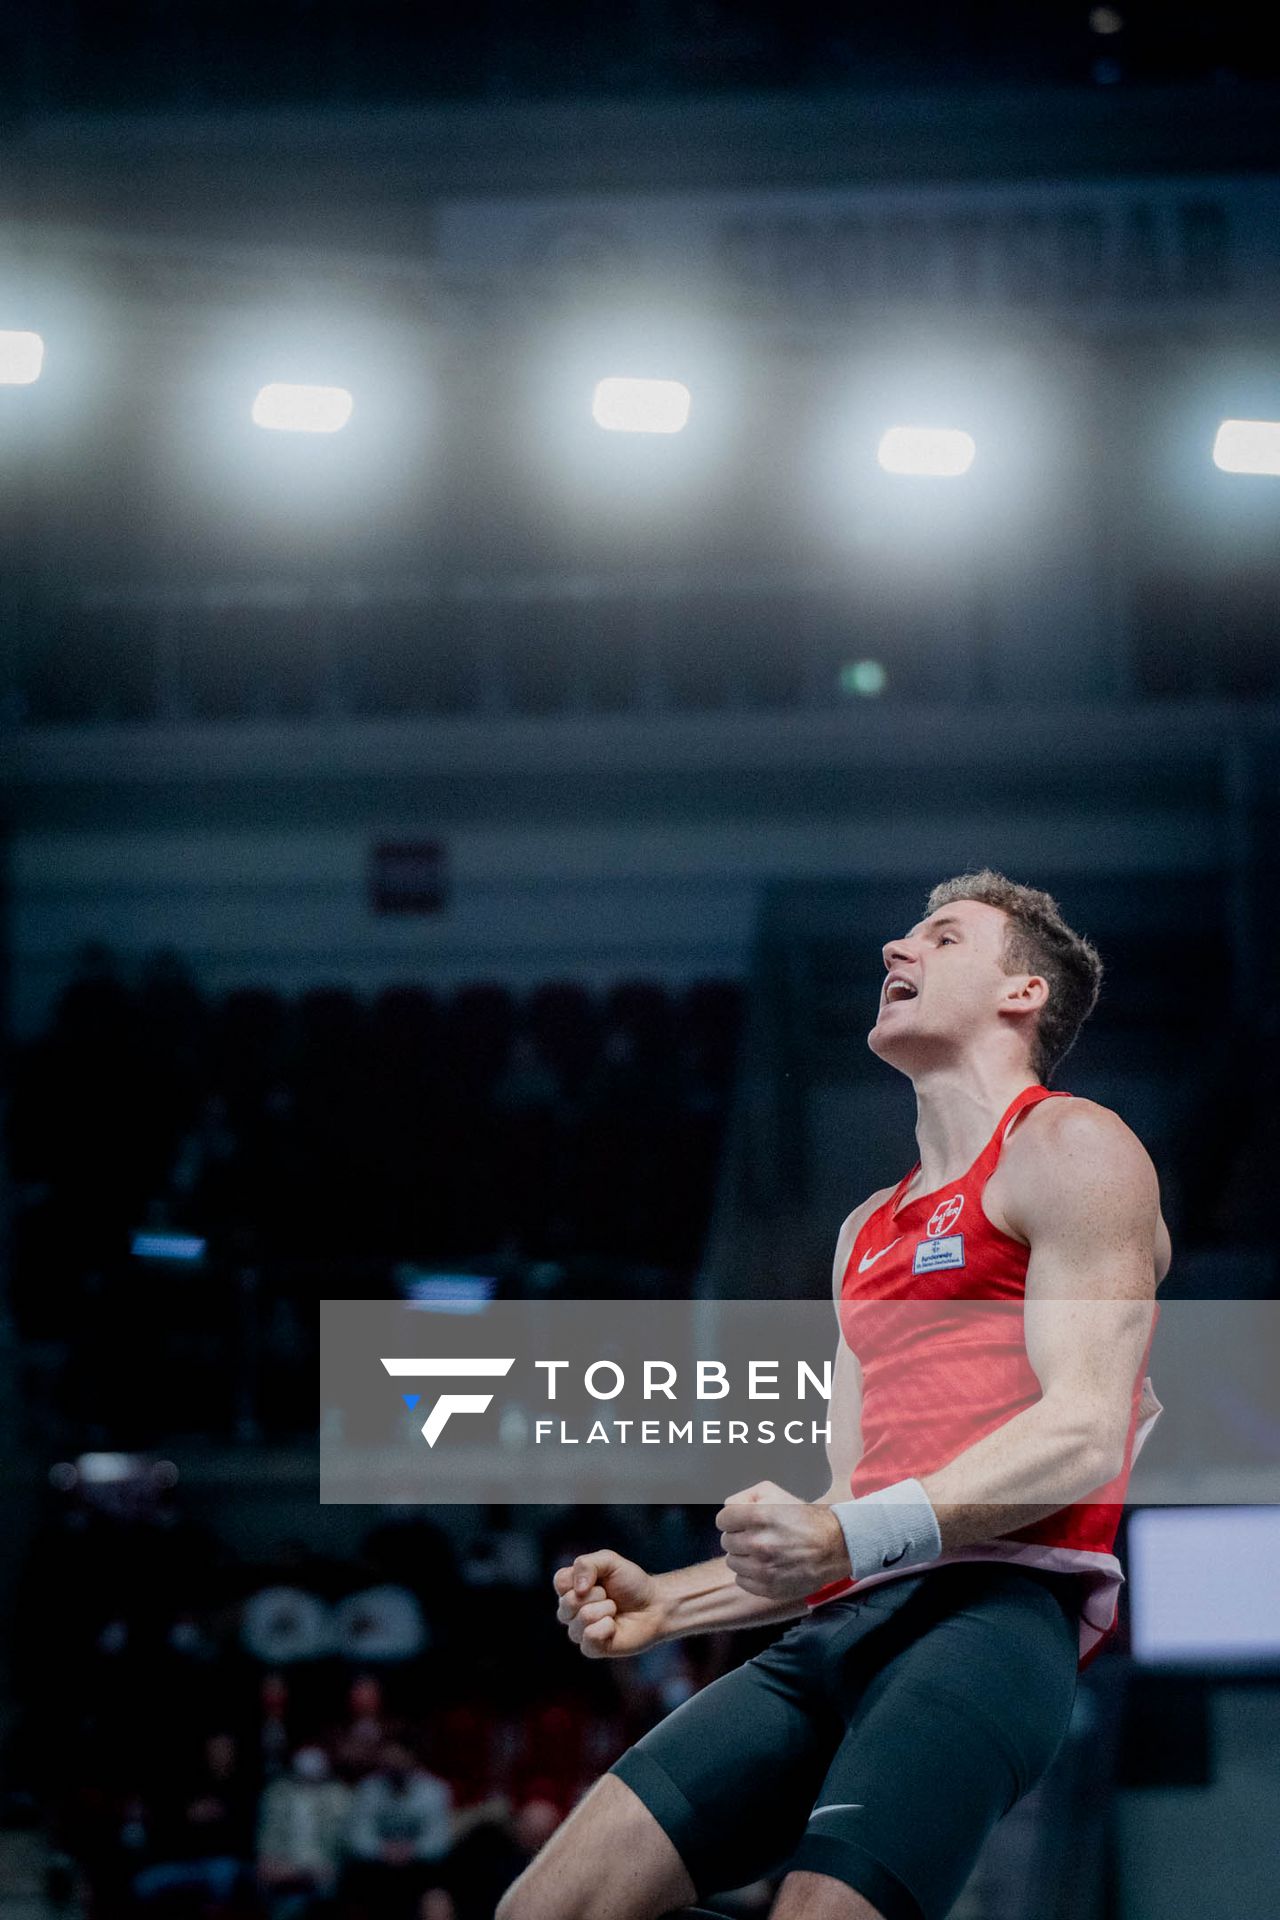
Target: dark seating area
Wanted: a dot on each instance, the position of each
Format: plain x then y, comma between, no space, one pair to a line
213,1731
325,1144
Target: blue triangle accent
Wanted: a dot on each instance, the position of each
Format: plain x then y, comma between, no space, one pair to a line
411,1400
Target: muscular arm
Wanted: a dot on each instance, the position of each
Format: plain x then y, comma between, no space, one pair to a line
709,1597
1081,1190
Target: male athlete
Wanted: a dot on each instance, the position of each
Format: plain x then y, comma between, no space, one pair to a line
996,1313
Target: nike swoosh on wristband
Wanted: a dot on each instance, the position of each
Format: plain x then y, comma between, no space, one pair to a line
869,1259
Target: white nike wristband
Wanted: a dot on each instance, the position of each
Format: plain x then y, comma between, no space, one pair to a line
896,1527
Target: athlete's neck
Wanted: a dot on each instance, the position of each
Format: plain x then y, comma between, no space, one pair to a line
957,1110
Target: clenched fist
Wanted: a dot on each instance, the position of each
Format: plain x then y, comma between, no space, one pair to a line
780,1547
610,1605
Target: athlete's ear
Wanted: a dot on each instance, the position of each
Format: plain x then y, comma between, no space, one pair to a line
1024,993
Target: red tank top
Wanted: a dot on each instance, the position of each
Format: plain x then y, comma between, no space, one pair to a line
939,1370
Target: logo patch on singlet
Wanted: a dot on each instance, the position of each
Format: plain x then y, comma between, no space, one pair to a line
945,1215
947,1250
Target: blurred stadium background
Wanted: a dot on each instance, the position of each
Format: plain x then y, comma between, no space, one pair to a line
454,851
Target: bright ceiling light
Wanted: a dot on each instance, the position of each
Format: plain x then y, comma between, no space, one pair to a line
289,409
641,406
1248,446
21,358
942,453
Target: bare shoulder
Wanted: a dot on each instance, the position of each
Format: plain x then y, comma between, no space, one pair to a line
1075,1161
1079,1128
1059,1143
851,1228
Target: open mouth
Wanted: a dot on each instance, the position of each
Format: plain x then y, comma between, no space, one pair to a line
897,989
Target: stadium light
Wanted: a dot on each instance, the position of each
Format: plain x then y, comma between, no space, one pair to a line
939,453
21,358
1247,446
641,406
863,679
290,409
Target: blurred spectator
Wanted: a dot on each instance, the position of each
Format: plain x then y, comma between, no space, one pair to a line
273,1733
302,1830
204,1829
109,1833
202,1174
360,1743
400,1834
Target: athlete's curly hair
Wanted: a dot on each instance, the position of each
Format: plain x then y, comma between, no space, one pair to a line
1038,940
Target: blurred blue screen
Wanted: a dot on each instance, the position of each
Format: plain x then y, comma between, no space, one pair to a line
1205,1584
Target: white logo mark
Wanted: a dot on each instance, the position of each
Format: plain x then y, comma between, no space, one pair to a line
869,1259
452,1368
843,1806
945,1215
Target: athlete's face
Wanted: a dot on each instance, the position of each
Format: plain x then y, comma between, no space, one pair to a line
945,986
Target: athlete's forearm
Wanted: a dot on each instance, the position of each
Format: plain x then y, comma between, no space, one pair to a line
708,1599
1042,1460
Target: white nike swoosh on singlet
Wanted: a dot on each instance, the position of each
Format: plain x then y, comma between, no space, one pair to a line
869,1259
844,1806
